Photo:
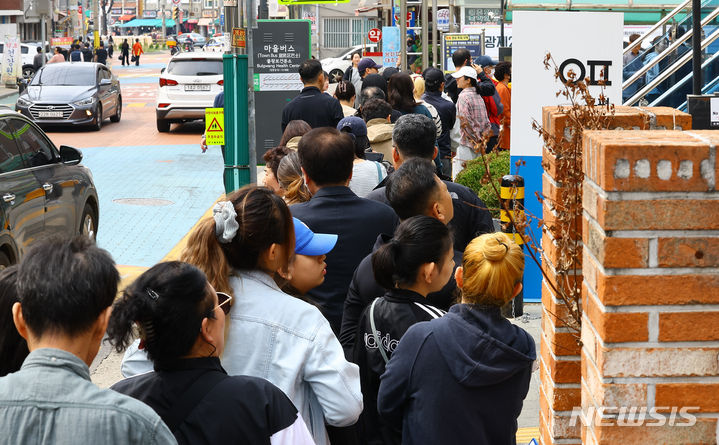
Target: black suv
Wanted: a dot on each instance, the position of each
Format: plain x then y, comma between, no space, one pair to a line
43,190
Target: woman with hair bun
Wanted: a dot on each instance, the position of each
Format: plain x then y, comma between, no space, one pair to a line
181,319
418,260
472,366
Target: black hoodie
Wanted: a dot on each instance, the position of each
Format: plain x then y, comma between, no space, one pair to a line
459,379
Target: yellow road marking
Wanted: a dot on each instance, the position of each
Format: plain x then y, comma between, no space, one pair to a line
136,104
524,435
174,254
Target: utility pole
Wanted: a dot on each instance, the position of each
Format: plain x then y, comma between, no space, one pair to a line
96,22
251,131
164,28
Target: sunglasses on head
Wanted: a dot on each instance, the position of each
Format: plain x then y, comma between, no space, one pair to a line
223,301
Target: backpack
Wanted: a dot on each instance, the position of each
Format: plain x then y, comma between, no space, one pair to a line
76,56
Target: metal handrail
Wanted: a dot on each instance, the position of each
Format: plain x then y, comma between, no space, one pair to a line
569,5
670,49
670,70
659,24
706,87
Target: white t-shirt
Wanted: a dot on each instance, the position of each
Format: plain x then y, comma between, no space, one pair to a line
365,177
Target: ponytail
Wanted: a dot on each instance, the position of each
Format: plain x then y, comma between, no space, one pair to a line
204,252
418,240
475,85
168,303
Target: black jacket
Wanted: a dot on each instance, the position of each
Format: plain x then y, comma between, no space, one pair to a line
394,313
471,217
447,114
357,222
486,86
314,107
364,289
238,409
459,379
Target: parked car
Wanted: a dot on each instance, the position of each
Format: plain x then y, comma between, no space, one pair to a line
336,66
188,85
215,44
72,93
45,191
197,39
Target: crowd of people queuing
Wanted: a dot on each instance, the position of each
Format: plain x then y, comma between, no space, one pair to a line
353,299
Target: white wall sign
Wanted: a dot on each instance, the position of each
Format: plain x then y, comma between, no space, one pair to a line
492,37
582,41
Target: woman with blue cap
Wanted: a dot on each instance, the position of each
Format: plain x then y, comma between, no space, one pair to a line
308,268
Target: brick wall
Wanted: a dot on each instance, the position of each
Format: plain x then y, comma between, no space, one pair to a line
651,283
560,354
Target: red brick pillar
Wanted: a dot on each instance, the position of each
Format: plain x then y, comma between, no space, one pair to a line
560,369
650,328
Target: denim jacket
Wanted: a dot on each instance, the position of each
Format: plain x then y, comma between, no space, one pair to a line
280,338
51,400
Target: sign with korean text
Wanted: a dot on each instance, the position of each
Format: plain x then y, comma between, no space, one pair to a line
453,42
443,19
215,126
374,35
391,48
278,54
64,42
12,60
239,37
481,16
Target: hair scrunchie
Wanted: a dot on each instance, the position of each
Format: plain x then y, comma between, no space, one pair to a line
225,221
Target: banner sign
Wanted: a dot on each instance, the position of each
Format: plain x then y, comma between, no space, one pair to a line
12,60
64,42
391,48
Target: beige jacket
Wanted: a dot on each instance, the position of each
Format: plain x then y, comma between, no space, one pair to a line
379,133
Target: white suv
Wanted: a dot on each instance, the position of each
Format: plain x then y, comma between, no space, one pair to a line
188,85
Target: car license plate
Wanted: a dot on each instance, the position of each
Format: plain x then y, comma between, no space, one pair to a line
197,88
50,114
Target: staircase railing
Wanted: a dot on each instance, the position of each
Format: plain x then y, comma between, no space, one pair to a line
671,69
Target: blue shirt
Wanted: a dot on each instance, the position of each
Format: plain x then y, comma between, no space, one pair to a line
51,400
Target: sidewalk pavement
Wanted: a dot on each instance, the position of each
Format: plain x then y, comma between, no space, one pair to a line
6,92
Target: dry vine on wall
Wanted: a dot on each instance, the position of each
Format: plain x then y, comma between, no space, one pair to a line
583,112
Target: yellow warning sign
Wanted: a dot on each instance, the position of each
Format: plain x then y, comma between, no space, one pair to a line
215,126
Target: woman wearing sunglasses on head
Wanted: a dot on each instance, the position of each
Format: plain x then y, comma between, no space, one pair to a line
250,241
181,321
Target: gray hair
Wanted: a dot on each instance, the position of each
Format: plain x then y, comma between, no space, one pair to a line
414,136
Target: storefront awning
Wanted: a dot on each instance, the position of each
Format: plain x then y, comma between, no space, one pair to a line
204,22
126,17
153,23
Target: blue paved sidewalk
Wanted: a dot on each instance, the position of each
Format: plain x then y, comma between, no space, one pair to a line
141,235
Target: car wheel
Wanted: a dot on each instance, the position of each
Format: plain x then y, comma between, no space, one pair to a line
28,71
163,126
4,260
336,75
118,112
88,223
98,119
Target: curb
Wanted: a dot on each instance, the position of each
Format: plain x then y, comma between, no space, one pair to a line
7,92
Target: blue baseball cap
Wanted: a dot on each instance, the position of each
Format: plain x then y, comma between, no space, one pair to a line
309,243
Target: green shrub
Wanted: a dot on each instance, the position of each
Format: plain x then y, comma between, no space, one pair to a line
475,177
